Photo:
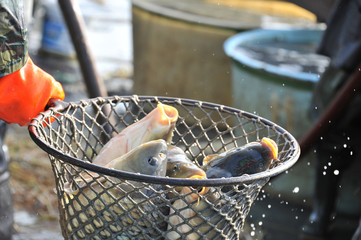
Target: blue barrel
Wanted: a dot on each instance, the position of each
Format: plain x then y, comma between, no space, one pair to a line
273,75
274,72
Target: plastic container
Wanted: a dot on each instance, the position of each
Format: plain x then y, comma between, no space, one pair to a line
273,75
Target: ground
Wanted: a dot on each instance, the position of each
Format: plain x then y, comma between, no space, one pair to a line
32,186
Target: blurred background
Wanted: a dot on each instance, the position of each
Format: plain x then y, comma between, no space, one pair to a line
255,55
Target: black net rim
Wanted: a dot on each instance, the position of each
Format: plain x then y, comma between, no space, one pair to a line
62,106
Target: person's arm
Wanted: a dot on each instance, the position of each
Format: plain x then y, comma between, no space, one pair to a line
321,8
13,37
25,89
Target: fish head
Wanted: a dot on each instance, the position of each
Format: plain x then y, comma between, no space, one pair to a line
180,166
160,123
272,147
149,158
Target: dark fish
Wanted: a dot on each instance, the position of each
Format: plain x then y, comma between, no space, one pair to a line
251,158
189,211
180,166
193,216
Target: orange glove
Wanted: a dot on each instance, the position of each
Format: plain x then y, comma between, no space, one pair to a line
26,92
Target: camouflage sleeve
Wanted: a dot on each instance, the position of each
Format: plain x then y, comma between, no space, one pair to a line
13,37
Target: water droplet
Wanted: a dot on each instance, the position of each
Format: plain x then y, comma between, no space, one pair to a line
325,167
308,163
345,145
329,164
260,223
296,190
351,153
336,172
296,217
324,173
269,205
252,234
263,215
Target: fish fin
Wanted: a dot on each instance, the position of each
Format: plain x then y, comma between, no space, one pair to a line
208,158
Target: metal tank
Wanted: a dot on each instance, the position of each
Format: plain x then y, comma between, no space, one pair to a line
178,44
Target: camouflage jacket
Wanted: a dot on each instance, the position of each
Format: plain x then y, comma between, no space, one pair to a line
13,37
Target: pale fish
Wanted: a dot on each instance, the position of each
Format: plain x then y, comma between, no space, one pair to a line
149,158
120,204
158,124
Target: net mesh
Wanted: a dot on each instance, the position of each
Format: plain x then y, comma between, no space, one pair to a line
98,203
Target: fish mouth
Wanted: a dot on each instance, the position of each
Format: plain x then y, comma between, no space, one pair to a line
203,190
272,145
193,172
169,114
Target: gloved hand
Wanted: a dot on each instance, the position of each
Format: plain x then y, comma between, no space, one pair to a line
26,92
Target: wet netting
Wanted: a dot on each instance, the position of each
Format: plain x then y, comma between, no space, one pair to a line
96,202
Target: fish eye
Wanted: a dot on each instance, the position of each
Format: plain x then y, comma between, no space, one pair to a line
152,161
176,167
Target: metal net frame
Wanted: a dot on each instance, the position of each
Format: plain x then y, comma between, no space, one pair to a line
100,203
